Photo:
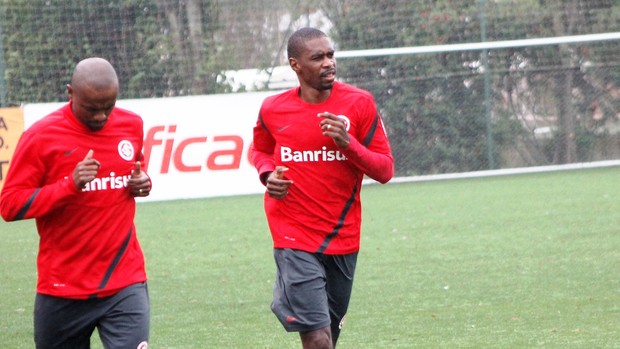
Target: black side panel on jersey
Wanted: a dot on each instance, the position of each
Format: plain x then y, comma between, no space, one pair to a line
371,132
115,261
20,215
343,215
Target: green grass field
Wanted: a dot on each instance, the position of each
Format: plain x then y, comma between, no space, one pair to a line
522,261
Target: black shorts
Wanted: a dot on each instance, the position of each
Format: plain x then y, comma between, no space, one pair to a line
122,320
312,290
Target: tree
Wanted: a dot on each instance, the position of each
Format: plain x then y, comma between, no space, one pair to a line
433,103
551,86
159,49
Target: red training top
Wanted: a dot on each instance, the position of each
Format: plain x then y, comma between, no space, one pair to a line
88,245
322,211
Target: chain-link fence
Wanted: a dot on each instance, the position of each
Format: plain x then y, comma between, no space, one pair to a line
496,108
445,110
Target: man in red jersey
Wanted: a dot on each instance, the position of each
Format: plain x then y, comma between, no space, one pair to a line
77,172
312,147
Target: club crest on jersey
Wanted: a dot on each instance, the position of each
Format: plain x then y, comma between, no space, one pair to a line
125,150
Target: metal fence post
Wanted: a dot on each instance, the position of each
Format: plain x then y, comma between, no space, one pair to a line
487,87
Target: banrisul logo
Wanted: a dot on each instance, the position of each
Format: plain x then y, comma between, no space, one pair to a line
105,183
125,150
287,154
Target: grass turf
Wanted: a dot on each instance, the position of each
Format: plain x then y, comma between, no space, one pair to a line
522,261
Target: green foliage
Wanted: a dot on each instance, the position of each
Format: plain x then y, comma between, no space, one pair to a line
434,104
151,46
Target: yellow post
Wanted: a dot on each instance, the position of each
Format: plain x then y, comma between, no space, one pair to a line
11,128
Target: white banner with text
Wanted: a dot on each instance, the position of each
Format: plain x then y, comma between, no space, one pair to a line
195,146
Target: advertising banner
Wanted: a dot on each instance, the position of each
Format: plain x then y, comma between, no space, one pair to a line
11,128
195,146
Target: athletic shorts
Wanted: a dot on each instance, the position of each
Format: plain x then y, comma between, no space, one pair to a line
121,319
312,290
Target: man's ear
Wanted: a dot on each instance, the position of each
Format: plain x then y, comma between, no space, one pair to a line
69,91
294,65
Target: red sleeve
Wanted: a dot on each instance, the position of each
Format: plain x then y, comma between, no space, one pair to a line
263,145
371,153
378,165
23,195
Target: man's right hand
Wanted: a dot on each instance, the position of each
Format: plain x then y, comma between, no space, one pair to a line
86,170
277,186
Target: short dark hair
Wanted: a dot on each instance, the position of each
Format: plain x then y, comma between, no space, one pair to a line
299,37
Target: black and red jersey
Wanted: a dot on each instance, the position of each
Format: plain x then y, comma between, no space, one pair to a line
322,211
88,245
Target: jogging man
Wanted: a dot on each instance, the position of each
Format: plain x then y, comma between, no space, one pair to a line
312,147
77,172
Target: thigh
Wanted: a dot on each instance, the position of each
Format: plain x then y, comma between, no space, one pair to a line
299,297
339,270
61,323
126,319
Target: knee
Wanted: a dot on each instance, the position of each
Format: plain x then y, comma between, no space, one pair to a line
317,339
